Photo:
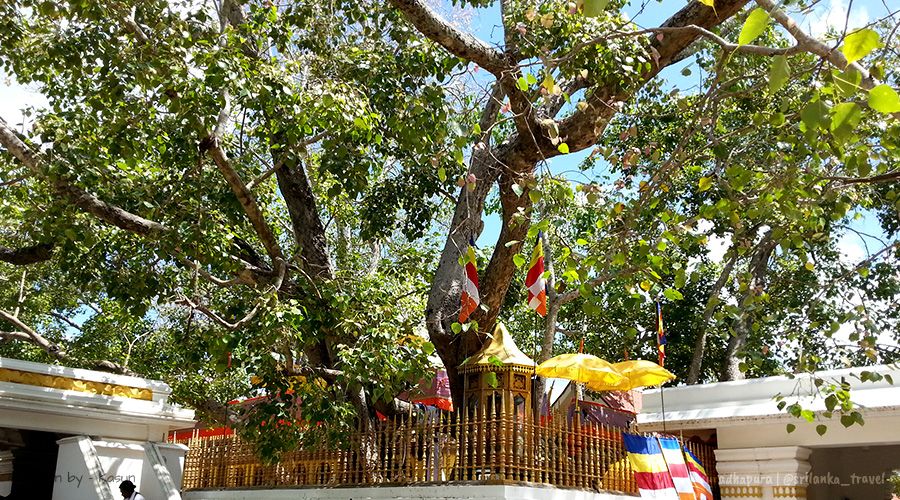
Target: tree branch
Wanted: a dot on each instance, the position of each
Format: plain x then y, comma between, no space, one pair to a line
66,320
281,266
810,44
88,202
244,196
582,128
458,43
35,337
26,255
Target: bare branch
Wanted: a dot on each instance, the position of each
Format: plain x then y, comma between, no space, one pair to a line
874,179
282,267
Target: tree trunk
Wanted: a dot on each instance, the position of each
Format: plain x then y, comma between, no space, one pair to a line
700,344
554,304
759,268
309,232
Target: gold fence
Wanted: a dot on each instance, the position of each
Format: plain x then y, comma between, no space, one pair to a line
492,449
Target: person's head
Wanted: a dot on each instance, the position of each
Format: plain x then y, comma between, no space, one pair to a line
126,488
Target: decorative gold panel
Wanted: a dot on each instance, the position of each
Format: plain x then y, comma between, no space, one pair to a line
791,492
741,492
73,384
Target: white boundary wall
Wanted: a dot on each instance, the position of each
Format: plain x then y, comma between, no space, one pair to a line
443,492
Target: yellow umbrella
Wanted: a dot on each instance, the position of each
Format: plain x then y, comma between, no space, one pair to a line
642,373
597,374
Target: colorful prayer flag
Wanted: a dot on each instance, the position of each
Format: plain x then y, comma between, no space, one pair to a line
660,336
535,282
650,470
469,297
681,478
699,478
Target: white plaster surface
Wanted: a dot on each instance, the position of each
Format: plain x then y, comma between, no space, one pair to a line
443,492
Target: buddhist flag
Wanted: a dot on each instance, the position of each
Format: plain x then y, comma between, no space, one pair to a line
681,478
660,336
698,477
537,286
650,471
469,298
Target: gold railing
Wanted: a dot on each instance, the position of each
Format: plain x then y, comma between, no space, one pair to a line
495,449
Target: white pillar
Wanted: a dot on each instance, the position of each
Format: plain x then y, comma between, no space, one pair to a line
775,473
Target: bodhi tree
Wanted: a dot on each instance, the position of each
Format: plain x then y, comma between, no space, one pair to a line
193,167
568,70
270,178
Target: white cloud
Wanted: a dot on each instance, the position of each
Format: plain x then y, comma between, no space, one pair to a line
851,249
833,16
14,98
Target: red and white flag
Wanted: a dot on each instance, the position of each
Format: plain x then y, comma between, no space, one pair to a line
469,298
535,282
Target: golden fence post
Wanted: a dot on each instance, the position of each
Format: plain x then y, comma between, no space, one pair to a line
579,450
596,477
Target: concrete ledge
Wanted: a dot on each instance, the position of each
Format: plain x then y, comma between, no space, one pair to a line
436,492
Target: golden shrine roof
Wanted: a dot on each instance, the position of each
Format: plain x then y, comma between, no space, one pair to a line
501,350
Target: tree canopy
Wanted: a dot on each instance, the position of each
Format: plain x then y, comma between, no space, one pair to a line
247,196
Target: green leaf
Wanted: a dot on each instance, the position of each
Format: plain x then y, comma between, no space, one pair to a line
845,117
754,26
791,428
672,294
884,99
442,174
847,82
815,115
456,327
821,429
518,260
522,84
563,148
594,7
705,183
779,72
859,43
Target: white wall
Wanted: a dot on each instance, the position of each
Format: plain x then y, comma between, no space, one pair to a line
119,461
444,492
878,430
857,473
